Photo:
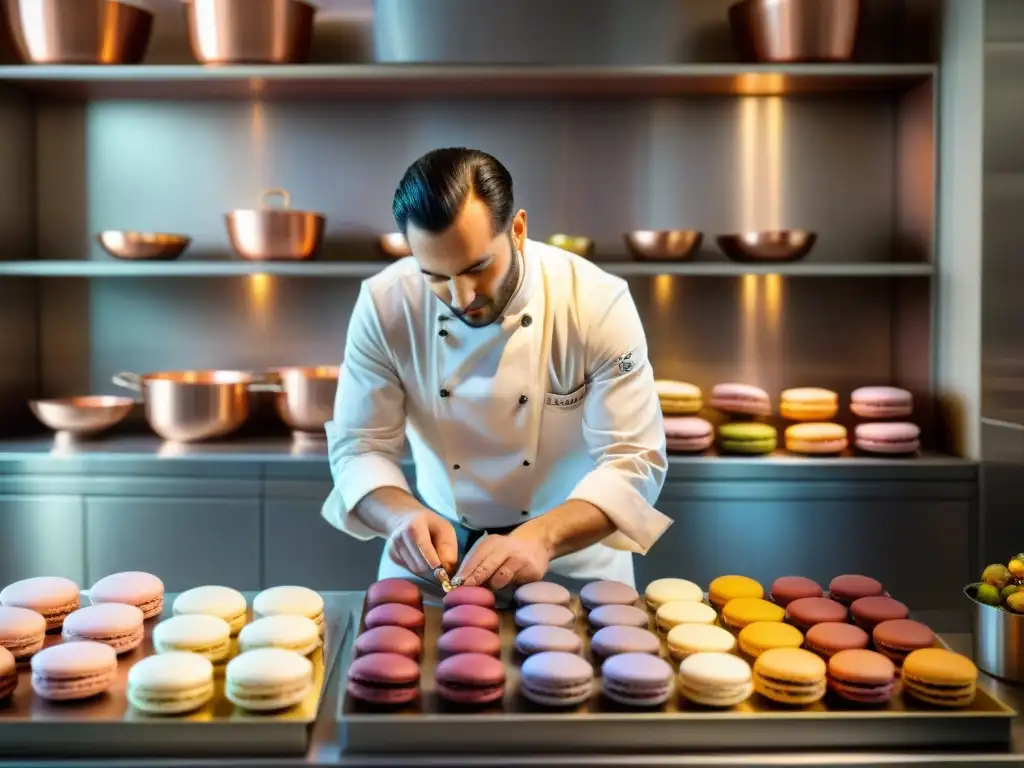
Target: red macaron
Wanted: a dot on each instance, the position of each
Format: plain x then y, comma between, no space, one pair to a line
384,678
470,616
389,639
471,678
395,615
387,591
469,596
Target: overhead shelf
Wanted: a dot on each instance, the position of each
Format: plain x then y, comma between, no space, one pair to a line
84,268
320,81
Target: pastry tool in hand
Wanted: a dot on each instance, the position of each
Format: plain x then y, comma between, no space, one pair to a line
442,578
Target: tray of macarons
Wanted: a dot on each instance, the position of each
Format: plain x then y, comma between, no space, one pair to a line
123,670
736,667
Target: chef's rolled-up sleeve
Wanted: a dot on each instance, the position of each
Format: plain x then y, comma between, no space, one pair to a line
366,438
622,425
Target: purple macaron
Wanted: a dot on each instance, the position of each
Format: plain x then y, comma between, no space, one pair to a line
469,596
808,611
389,639
869,612
471,678
546,614
618,616
468,640
786,589
852,586
637,679
554,679
395,615
863,677
688,434
384,678
541,638
542,592
470,616
888,438
830,637
598,593
611,641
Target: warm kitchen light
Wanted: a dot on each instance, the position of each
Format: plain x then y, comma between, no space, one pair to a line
760,84
664,286
260,294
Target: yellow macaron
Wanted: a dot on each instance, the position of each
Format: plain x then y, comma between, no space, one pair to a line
661,591
940,677
678,398
809,404
761,636
726,588
742,611
790,676
816,438
683,612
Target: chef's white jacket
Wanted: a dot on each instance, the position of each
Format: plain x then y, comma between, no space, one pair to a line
554,401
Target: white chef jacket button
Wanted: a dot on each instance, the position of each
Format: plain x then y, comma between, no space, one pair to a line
442,333
527,321
444,393
523,399
455,466
442,318
525,513
526,462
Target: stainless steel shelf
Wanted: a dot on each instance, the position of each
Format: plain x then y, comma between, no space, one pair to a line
321,81
83,268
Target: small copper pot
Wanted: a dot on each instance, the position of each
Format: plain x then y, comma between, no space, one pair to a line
275,234
250,31
796,30
84,415
79,31
143,246
305,397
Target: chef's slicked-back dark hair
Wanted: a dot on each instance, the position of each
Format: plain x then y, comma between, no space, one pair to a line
435,188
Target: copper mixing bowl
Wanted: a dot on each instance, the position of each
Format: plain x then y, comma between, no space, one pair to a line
795,30
142,246
305,397
79,31
82,415
663,244
250,31
772,245
275,234
395,245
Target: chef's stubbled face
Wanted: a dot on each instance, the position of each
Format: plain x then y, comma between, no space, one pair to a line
469,268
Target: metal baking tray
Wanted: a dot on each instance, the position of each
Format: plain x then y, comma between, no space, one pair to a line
515,726
108,726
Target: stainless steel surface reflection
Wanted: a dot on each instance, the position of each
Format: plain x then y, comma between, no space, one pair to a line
998,639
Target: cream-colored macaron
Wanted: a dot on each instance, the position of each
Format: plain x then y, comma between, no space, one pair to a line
683,612
291,632
223,602
661,591
299,601
687,639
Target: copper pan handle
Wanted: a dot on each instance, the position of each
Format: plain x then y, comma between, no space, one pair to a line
127,380
270,194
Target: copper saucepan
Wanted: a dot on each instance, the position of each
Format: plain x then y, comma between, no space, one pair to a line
79,31
250,31
81,416
275,234
305,397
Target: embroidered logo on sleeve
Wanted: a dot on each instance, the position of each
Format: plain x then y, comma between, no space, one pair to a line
626,363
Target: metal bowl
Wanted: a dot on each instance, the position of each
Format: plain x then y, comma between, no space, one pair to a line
82,415
772,245
275,234
79,31
395,245
663,244
250,31
305,399
795,30
141,246
581,246
998,637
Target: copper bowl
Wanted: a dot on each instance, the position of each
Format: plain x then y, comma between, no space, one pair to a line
79,31
143,246
395,245
82,415
250,31
275,234
305,397
795,30
774,245
663,244
581,246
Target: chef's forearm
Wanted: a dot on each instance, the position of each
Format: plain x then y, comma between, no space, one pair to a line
381,508
569,527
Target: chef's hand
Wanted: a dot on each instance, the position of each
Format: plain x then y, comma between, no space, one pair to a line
421,540
498,561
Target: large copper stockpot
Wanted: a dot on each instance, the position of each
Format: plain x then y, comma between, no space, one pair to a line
250,31
275,234
79,31
305,397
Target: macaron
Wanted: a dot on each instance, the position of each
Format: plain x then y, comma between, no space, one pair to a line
22,631
52,596
542,592
661,591
207,636
678,397
389,639
469,640
738,613
687,639
850,587
289,600
683,612
896,639
881,402
831,637
816,439
556,679
469,616
791,676
287,631
269,679
8,674
726,588
869,612
470,678
688,434
545,613
143,590
740,398
715,679
170,683
396,615
598,593
808,611
388,591
888,437
761,636
115,624
786,589
940,677
384,678
618,616
469,596
808,404
863,677
636,679
72,671
611,641
223,602
747,438
542,639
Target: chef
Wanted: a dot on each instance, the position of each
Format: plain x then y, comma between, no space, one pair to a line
518,373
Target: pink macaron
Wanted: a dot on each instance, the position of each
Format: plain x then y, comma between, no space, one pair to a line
470,678
470,616
881,402
72,671
384,678
143,590
52,596
481,596
8,674
389,639
688,434
395,615
741,398
888,437
114,624
22,632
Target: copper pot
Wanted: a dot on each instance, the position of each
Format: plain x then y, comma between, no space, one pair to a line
663,244
79,31
143,246
275,234
82,415
250,31
796,30
186,406
780,245
305,397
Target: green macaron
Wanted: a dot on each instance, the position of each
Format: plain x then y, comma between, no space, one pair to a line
747,437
